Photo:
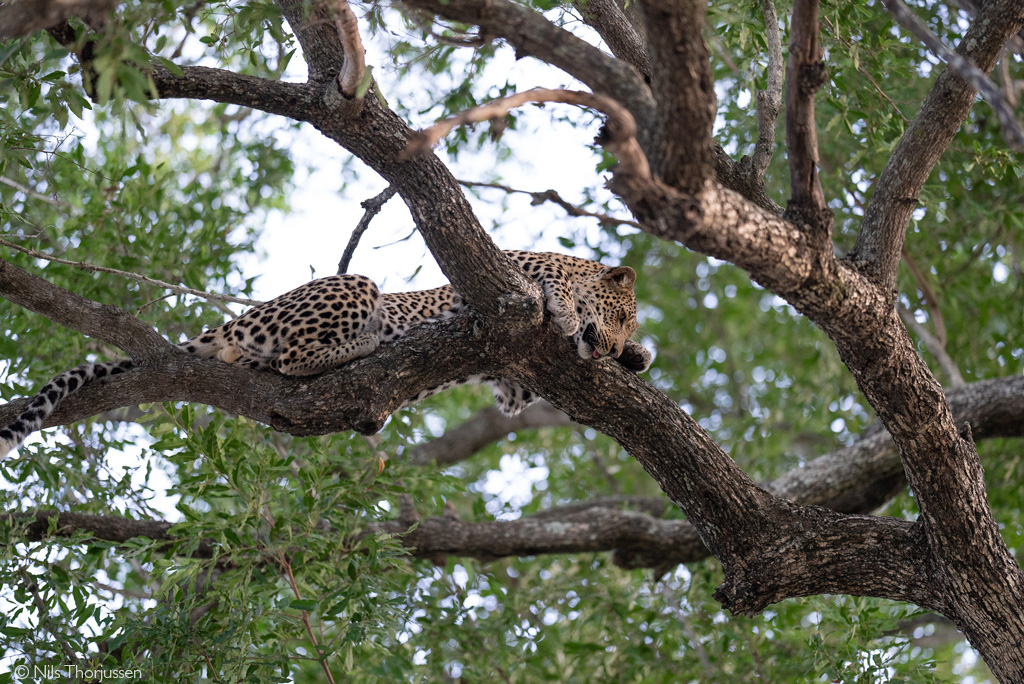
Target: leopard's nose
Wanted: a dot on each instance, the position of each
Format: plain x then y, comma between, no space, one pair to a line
615,351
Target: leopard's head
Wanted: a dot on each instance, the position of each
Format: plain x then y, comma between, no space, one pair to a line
607,308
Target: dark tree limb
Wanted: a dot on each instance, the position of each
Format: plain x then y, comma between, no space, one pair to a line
804,77
108,323
611,23
877,251
484,428
682,153
857,479
533,35
25,17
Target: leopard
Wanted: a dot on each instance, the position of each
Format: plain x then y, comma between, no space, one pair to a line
331,321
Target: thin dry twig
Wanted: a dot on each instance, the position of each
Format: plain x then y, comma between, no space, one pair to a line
539,197
372,207
352,71
1012,131
620,126
133,276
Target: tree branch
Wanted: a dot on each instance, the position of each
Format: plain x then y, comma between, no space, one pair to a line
683,154
486,427
619,136
107,323
531,34
857,479
372,207
804,76
23,18
354,69
877,251
769,101
553,197
612,24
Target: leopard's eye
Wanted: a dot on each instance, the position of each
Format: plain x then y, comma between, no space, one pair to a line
622,318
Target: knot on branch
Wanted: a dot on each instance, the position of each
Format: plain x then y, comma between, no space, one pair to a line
812,75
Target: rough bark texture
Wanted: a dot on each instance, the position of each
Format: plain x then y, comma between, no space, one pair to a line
774,542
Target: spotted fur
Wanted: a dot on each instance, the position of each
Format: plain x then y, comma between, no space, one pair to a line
331,321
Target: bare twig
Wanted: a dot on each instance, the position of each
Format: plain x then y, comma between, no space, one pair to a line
769,101
354,68
620,126
553,197
1012,131
134,276
372,207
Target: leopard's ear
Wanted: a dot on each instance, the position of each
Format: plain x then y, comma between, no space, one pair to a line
623,277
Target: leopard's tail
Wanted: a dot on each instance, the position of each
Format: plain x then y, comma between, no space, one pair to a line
50,397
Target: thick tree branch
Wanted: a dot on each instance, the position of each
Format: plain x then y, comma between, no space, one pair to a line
804,76
24,17
888,212
108,323
611,23
857,479
683,155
